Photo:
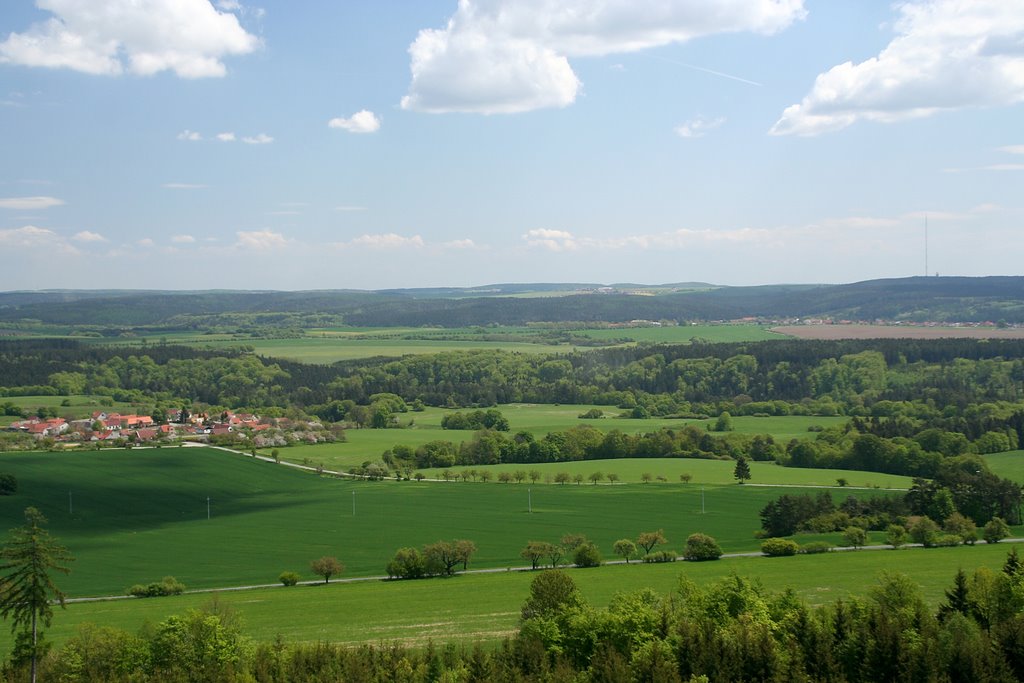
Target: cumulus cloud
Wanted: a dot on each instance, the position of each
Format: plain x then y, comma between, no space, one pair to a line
1012,149
143,37
183,239
948,54
189,135
146,242
259,139
226,137
388,240
553,240
28,236
507,56
363,121
29,203
261,239
88,236
698,127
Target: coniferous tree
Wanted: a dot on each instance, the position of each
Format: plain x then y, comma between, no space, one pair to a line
742,471
28,558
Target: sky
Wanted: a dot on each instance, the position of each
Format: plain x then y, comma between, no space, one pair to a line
199,144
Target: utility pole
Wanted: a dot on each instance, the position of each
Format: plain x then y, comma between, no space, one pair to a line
353,503
529,494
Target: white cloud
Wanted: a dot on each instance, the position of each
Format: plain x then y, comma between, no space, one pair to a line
29,203
229,5
363,121
146,242
144,37
28,236
388,240
948,54
553,240
184,186
261,239
349,208
88,236
183,239
189,135
1012,149
259,139
226,137
698,127
506,56
1004,167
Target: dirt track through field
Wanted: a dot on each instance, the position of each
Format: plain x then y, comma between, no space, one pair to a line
896,332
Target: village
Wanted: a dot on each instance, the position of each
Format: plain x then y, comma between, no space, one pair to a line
178,425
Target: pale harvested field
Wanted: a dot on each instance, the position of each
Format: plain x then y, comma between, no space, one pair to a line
895,332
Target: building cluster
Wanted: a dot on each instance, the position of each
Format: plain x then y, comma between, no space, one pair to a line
104,426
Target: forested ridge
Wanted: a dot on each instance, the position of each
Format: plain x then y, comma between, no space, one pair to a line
949,299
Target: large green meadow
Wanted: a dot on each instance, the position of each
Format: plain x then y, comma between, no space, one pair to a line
132,516
419,428
333,344
485,607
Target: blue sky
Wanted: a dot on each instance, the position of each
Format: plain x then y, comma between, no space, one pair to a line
189,144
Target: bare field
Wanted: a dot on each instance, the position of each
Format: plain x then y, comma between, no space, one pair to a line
896,332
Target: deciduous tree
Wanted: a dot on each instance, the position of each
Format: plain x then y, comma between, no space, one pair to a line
326,567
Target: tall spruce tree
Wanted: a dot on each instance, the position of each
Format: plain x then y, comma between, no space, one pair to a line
28,557
742,471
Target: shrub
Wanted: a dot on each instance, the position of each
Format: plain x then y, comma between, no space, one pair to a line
168,586
288,578
700,547
896,535
587,555
996,530
945,541
855,537
779,547
816,547
8,484
408,563
924,531
659,556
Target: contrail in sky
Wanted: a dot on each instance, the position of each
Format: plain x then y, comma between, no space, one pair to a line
711,71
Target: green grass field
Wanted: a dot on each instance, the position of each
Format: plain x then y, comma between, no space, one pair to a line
332,344
682,334
485,607
368,444
1009,465
141,514
703,472
81,405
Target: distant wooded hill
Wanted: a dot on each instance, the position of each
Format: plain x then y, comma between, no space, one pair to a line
941,299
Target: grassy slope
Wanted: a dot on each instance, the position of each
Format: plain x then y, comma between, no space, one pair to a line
483,607
1009,465
141,514
368,444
